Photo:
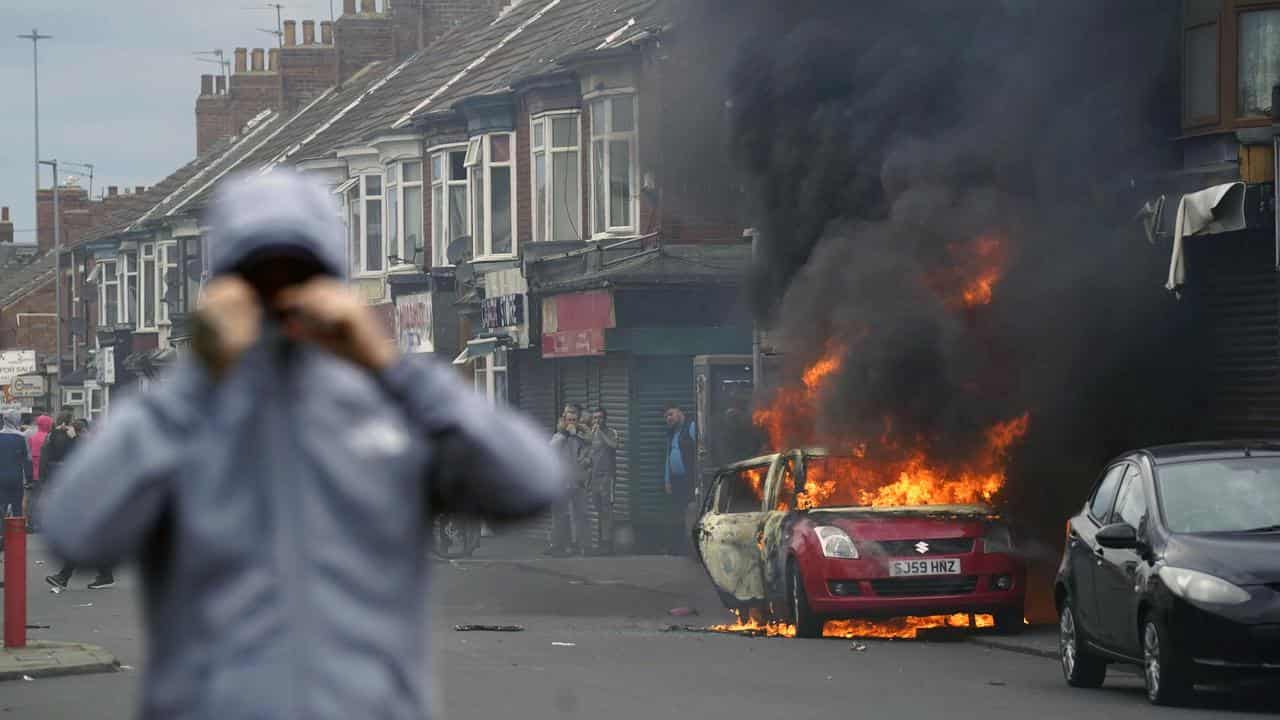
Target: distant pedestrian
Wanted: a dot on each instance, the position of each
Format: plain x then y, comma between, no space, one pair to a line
569,516
35,442
57,450
277,487
604,466
15,465
679,473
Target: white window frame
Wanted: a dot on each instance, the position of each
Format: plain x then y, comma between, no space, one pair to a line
128,310
166,258
360,236
489,374
544,231
148,258
108,282
479,160
632,137
440,168
403,188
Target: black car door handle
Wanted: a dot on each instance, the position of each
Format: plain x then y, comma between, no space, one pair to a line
1099,552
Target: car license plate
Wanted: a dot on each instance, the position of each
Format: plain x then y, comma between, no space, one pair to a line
900,568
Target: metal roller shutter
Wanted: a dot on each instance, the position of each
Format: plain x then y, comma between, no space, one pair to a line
534,393
657,380
615,398
1236,290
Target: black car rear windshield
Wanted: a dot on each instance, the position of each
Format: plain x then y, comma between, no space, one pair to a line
1209,496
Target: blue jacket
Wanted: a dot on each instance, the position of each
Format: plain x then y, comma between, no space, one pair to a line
280,516
15,465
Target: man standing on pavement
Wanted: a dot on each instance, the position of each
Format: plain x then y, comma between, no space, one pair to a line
679,474
277,487
569,517
15,465
603,465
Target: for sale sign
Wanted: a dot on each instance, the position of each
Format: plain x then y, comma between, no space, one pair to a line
14,363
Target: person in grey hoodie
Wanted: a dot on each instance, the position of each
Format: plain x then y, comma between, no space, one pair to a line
276,489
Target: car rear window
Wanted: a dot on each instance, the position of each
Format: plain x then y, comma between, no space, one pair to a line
1233,495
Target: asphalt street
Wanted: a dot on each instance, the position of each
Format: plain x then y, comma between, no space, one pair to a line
595,645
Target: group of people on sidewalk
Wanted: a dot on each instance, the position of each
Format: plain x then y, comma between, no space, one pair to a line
31,459
590,447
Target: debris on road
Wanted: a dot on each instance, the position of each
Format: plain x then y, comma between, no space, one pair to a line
85,605
682,612
565,644
858,647
39,627
996,683
126,667
488,628
28,678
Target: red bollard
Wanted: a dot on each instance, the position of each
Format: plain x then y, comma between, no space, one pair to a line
15,582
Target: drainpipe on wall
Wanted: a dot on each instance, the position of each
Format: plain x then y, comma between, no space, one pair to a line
1275,164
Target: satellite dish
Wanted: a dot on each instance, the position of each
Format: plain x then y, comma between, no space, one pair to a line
459,251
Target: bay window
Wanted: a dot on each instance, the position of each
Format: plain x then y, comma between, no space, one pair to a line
364,225
613,164
1259,61
108,294
128,270
557,193
404,211
449,214
147,306
490,172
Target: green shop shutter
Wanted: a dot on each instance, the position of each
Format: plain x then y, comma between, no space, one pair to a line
656,381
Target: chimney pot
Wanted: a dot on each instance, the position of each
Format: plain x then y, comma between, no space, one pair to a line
242,60
220,82
290,33
273,60
4,214
139,189
368,7
206,84
258,56
348,7
113,190
326,33
308,32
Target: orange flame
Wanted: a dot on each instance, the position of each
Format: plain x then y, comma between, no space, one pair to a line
906,628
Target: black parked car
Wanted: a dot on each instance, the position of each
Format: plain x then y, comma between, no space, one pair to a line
1174,564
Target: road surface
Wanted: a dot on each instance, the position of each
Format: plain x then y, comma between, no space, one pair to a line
595,647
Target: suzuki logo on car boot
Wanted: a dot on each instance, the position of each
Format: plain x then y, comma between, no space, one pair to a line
922,547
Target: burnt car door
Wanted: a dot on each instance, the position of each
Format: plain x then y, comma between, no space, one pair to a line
1082,548
728,535
780,501
1116,582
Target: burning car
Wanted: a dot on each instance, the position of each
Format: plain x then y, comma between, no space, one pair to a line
775,539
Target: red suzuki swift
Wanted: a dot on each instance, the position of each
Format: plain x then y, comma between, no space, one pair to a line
828,563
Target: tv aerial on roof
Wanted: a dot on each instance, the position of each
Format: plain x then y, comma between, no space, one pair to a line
279,31
216,57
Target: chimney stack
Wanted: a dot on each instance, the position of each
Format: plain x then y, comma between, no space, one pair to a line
206,84
326,33
139,189
273,60
220,84
290,33
258,58
348,7
368,7
242,60
308,32
6,227
113,190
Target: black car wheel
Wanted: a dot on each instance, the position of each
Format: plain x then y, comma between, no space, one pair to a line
1080,667
1168,682
808,624
1010,622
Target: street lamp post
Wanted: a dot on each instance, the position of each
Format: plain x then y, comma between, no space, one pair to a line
35,37
57,278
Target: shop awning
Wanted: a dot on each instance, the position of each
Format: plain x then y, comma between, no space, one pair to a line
1213,210
476,348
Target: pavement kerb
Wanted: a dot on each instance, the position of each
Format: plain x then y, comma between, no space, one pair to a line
53,659
537,567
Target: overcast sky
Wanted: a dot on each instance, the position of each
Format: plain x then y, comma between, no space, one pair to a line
118,84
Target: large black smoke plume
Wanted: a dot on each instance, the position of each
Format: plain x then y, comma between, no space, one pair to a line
893,150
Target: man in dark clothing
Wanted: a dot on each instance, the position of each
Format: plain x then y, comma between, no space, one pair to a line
679,472
604,451
58,447
15,465
277,487
569,517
